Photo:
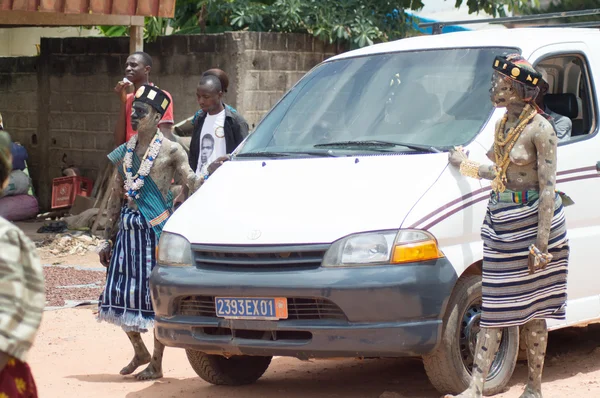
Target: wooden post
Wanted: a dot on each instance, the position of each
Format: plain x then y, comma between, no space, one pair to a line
136,39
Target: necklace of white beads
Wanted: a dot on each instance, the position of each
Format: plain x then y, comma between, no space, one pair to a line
134,183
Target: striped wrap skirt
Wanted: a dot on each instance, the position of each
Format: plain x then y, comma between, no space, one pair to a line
511,295
126,300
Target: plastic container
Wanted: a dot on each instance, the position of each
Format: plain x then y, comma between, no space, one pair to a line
65,189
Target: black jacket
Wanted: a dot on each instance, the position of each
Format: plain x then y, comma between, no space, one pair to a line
236,129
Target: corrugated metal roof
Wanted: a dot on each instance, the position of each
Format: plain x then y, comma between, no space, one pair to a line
147,8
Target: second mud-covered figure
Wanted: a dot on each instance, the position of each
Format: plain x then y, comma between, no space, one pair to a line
526,248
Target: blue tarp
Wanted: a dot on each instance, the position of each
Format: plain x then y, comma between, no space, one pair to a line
445,29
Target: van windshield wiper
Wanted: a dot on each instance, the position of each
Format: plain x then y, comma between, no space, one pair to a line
378,144
284,154
261,155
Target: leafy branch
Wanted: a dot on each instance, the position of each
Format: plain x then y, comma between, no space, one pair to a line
355,23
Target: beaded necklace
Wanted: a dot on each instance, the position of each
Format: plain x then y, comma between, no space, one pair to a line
134,183
504,145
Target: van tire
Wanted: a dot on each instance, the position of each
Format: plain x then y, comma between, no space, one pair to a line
445,367
235,371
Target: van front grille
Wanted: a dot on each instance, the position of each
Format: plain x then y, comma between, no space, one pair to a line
240,258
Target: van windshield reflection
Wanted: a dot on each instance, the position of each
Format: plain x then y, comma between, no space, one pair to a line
415,101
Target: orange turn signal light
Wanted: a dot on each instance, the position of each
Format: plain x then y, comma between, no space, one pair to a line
415,252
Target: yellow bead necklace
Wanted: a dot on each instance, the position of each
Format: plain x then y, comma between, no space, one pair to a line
504,145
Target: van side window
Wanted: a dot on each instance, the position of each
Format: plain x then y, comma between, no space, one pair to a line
570,94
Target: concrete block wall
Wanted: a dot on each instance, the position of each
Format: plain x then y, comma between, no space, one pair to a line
19,105
61,105
77,76
270,64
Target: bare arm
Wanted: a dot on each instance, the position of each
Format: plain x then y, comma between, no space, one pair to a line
113,207
457,157
545,142
191,181
487,172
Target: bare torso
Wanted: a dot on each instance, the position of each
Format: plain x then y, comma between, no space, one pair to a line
170,160
523,172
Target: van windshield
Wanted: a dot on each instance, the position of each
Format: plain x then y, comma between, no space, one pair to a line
415,101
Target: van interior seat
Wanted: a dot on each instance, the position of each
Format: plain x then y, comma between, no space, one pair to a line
467,105
566,105
417,102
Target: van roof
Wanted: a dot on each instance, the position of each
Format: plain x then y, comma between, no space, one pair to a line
526,39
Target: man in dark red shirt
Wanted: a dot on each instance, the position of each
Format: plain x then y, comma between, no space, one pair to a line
137,73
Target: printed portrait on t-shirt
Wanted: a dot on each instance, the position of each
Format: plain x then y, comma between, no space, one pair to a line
212,141
206,148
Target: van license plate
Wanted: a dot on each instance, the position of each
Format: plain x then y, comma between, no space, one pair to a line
251,308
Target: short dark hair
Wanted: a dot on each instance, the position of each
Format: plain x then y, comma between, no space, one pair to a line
221,75
146,58
211,81
5,157
209,137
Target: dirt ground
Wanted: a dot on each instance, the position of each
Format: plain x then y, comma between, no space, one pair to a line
74,357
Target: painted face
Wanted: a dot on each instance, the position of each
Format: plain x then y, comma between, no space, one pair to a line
502,91
207,149
208,98
142,116
135,69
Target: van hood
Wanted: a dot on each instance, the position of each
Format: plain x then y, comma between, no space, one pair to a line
305,201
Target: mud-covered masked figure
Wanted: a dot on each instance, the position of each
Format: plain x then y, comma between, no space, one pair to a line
139,206
524,233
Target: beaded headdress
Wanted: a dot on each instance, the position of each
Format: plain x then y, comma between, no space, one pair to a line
154,97
517,68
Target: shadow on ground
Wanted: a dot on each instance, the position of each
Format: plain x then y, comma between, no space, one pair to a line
570,352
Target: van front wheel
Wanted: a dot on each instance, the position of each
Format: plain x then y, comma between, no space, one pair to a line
449,366
234,371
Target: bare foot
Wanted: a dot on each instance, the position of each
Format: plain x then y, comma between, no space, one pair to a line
150,373
135,363
530,392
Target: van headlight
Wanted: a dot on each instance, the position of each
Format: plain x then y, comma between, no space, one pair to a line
381,248
174,250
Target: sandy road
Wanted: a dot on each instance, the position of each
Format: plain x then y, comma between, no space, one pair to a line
76,357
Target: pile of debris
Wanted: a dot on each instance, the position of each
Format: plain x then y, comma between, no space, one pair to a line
72,243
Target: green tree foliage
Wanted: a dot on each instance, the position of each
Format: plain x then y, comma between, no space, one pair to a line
356,23
569,5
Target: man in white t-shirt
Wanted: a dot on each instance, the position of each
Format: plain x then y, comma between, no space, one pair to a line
217,131
212,142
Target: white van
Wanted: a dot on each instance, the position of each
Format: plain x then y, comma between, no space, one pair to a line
339,229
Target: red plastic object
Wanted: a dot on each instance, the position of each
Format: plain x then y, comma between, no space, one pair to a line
65,189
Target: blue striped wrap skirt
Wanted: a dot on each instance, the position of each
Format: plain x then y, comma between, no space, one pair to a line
126,300
511,295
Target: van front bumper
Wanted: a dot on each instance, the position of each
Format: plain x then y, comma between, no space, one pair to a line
381,311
